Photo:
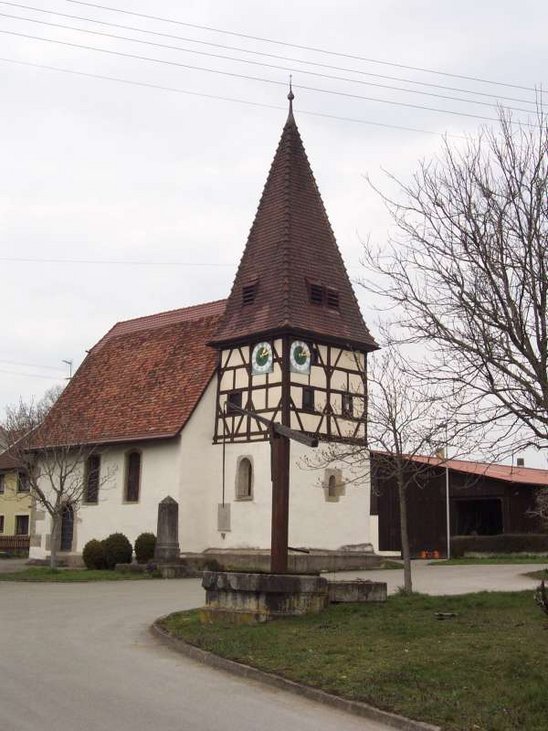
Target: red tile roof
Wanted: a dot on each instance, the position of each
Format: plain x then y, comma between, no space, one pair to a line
506,473
7,462
290,245
142,380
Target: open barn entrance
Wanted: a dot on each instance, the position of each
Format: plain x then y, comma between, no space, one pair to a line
481,517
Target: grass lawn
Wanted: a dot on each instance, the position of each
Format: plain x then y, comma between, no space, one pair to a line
43,573
484,669
542,574
494,559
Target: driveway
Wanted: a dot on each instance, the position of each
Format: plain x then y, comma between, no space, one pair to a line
79,656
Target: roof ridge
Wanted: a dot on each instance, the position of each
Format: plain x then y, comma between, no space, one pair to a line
169,312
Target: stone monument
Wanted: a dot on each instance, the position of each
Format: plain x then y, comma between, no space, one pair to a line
167,541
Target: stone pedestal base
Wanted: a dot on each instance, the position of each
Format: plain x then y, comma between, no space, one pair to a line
251,598
357,591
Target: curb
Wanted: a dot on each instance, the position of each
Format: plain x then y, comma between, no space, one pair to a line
356,708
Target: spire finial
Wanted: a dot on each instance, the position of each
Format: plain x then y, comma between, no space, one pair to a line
291,95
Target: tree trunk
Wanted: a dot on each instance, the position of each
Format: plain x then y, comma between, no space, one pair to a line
55,537
404,534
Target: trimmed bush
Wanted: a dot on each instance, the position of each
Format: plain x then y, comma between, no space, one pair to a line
117,550
144,547
94,555
502,543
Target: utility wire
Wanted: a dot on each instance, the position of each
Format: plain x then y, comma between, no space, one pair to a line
31,375
305,48
216,97
33,260
251,78
31,365
360,72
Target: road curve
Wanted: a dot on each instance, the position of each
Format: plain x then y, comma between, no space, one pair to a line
79,657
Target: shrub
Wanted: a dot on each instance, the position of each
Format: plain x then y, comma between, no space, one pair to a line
94,555
144,547
117,550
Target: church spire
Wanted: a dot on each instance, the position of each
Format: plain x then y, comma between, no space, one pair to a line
290,96
291,276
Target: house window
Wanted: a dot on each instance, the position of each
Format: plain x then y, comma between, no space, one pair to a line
308,398
21,525
234,399
93,467
347,405
23,484
2,484
244,480
1,523
133,476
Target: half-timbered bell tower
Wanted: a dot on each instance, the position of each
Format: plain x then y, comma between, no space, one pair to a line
292,343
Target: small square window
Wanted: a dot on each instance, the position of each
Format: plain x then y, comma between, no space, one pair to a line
249,292
234,399
308,398
316,294
332,299
347,405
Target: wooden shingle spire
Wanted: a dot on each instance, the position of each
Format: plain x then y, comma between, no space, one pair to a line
291,277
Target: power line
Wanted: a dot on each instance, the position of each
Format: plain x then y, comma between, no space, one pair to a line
498,97
31,375
250,78
305,48
217,97
32,260
31,365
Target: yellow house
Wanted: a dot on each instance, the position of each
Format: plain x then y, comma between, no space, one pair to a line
15,507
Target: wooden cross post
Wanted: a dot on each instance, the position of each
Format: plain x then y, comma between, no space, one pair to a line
280,437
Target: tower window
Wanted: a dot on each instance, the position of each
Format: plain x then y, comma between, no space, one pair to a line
316,294
347,405
234,399
249,292
308,398
332,299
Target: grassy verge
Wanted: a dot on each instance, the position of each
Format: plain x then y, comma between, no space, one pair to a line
483,669
542,574
42,573
494,559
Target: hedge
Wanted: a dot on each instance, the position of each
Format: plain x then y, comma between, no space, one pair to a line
502,543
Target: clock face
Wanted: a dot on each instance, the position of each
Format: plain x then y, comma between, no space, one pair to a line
300,357
261,359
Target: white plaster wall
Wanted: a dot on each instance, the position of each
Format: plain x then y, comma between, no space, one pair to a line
313,521
159,478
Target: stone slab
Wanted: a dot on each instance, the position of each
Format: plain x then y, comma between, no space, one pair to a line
358,590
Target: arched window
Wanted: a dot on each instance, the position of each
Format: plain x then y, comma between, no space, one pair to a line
332,487
133,477
244,480
67,528
91,487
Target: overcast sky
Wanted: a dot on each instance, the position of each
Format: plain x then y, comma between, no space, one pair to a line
102,171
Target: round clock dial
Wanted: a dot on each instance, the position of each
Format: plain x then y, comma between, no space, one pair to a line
261,358
300,357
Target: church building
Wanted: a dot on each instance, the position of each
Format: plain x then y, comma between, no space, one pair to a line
179,403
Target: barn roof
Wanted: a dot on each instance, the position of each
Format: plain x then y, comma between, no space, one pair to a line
506,473
142,380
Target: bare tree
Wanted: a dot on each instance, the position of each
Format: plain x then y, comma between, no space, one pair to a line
49,456
467,275
406,419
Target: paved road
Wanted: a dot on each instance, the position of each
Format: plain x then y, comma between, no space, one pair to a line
79,656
